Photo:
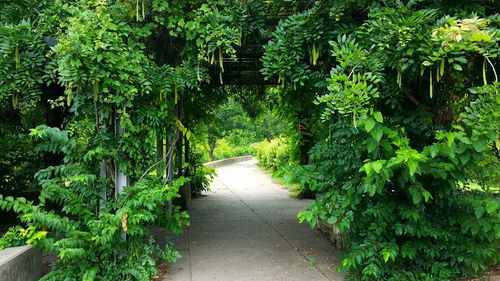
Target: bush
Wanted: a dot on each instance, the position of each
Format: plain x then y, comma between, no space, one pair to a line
276,153
331,161
404,215
225,149
87,234
18,236
200,176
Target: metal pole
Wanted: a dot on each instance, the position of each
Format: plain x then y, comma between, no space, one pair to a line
121,180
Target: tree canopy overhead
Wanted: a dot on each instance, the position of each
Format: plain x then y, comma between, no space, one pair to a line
396,105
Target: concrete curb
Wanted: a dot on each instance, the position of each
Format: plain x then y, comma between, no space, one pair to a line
228,161
22,263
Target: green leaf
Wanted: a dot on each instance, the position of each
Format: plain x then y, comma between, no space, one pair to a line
377,166
427,63
478,145
369,125
434,150
441,67
491,206
464,158
377,134
416,196
371,189
372,144
408,251
461,59
479,211
412,166
427,195
378,116
331,220
90,274
312,223
457,67
181,22
386,255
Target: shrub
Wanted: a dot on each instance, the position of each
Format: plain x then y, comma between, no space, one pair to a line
200,176
91,236
332,161
275,153
224,149
403,211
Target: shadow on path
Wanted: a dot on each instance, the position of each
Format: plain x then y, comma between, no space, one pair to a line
246,228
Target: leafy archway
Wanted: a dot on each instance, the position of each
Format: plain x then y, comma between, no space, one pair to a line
396,105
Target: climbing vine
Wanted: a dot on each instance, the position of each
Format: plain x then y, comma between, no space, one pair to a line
404,92
118,74
396,105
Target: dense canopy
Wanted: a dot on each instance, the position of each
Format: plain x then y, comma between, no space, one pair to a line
388,112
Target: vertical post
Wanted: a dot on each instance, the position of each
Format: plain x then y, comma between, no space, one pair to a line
169,165
186,155
121,180
180,113
179,154
187,151
169,152
169,168
102,192
102,165
179,163
159,152
183,191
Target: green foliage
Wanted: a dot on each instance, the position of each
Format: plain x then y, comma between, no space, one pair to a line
332,161
121,86
89,232
131,73
413,212
227,121
407,74
200,179
23,62
276,152
23,67
225,149
18,236
16,164
200,176
231,130
303,35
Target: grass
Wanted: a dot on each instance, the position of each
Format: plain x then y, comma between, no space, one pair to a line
294,188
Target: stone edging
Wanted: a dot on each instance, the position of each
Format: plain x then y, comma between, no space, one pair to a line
228,161
22,263
332,232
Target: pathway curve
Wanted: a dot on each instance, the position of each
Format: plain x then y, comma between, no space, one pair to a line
246,229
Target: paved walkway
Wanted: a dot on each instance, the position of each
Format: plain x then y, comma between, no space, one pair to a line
246,229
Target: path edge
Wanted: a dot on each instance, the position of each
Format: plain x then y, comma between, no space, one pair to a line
228,161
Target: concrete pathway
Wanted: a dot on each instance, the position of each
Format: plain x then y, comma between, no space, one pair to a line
246,228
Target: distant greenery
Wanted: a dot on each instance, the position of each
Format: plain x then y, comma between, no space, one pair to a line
225,149
275,153
229,130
